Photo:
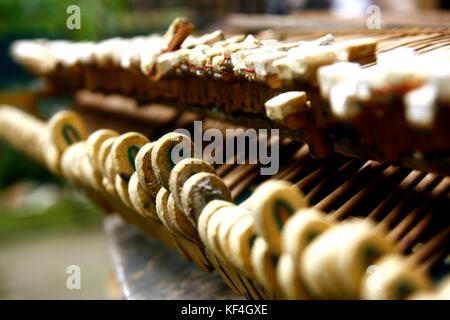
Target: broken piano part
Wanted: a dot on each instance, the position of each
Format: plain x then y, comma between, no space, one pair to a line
358,208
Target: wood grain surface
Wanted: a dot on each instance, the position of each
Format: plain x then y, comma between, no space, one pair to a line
147,270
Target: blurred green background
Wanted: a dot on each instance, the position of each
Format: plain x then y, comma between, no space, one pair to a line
44,224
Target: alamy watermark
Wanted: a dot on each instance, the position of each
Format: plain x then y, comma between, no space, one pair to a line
373,21
73,281
234,146
73,21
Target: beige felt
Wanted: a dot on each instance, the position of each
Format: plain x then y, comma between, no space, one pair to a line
206,215
263,264
233,214
163,159
393,273
122,156
300,229
179,220
145,171
103,154
121,187
56,126
240,245
288,279
162,211
183,171
270,193
199,190
94,143
143,202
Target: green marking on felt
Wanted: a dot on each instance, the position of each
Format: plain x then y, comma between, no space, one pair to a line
132,152
251,240
70,132
403,290
281,212
370,255
169,158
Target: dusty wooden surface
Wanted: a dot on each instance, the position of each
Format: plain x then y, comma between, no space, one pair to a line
310,20
148,270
